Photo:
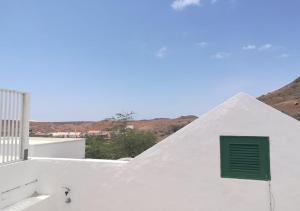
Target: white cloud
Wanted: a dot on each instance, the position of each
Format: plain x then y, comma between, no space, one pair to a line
265,47
162,52
221,55
283,56
202,44
181,4
249,47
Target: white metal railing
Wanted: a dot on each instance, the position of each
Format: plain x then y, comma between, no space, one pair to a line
14,126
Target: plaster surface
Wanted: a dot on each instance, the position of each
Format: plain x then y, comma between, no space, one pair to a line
57,147
182,172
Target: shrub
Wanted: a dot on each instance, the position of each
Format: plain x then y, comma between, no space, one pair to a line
128,144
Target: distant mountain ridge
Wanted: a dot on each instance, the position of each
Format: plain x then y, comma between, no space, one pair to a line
162,127
285,99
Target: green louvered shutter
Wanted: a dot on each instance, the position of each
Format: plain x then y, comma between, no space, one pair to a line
245,157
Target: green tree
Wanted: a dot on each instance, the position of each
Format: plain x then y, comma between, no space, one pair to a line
125,143
98,148
121,121
135,142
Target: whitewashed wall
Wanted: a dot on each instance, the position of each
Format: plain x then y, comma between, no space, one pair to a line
63,149
89,180
51,175
183,171
17,181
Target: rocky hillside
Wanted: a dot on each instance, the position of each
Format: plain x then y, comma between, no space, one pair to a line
285,99
161,126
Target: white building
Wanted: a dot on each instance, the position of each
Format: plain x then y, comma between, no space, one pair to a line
103,134
130,127
94,132
57,147
65,134
194,169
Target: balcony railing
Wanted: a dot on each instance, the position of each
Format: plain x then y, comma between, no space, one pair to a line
14,126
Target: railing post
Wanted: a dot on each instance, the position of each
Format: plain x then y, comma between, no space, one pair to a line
25,126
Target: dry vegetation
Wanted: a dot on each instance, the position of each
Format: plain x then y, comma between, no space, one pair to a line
285,99
162,127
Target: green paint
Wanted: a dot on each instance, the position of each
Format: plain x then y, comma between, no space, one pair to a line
245,157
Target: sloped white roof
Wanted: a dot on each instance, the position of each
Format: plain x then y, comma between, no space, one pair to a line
183,171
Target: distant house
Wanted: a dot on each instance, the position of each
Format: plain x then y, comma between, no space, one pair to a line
94,132
39,134
130,127
103,134
65,134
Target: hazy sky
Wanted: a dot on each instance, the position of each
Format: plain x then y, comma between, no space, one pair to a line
87,60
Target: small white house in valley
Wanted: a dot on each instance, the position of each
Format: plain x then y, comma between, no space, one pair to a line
241,156
65,134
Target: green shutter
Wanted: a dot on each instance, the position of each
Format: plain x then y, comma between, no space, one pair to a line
245,157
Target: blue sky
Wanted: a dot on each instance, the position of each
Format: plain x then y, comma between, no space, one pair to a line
87,60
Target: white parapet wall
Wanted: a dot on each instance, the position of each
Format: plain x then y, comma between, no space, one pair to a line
181,173
25,182
18,181
57,147
87,180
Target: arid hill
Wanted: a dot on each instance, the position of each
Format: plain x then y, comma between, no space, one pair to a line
285,99
163,127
